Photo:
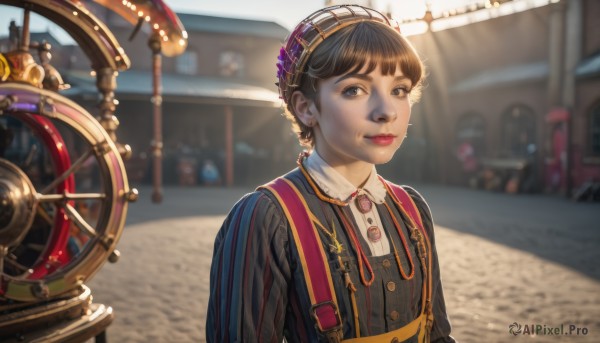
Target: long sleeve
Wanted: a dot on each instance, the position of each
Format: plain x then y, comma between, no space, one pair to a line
440,333
250,274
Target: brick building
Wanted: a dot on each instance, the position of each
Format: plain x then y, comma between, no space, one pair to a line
523,90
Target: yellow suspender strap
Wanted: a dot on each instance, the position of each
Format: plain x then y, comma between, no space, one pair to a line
314,263
400,335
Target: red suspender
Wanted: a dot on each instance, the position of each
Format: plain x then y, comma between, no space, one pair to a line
401,197
317,274
312,256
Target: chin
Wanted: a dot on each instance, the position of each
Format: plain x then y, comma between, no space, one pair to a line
379,162
384,155
382,159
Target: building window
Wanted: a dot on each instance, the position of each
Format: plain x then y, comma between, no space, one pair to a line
187,63
595,131
231,63
518,132
471,129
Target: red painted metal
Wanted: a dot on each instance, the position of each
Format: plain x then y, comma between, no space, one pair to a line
56,253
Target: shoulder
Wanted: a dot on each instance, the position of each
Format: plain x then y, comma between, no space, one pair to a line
419,201
258,199
423,209
295,179
421,205
415,196
263,200
255,216
259,204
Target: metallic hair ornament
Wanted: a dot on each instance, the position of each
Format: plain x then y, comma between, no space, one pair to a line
311,32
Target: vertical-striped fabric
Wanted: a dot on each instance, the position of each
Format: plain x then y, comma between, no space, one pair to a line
257,289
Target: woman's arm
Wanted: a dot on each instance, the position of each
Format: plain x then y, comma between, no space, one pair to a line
249,274
440,333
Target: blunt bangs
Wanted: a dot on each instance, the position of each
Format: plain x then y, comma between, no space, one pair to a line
365,44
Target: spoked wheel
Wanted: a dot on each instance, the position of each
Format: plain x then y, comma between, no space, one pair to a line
63,195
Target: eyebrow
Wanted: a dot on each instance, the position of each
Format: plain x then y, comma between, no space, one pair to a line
366,77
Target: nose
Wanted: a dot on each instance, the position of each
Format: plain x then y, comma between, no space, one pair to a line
384,111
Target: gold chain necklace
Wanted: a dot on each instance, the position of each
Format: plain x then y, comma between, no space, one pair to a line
336,247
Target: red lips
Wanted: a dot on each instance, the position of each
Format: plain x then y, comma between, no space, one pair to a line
382,140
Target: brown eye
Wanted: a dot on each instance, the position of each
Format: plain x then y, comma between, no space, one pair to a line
400,91
351,91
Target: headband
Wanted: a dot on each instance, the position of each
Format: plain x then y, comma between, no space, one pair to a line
311,32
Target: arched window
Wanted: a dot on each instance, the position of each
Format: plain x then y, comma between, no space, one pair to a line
595,130
518,132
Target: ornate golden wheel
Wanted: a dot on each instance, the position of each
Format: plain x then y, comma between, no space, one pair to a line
81,218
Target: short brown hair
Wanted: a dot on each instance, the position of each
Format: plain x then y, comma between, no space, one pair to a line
349,50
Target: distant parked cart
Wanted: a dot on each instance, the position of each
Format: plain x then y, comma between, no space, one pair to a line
511,175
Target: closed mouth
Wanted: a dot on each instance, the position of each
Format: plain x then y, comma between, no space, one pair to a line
382,136
382,140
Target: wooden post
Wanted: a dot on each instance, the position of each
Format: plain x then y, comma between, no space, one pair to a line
25,34
157,141
572,50
556,29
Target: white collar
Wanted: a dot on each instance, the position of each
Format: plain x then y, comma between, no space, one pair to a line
337,186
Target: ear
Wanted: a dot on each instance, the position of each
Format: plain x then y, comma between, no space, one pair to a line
304,108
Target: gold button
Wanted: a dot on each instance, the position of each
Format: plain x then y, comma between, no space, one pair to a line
394,340
394,315
386,263
391,286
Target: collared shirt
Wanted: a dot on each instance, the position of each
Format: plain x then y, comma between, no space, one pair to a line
336,186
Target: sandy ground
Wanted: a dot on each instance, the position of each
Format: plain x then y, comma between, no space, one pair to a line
504,259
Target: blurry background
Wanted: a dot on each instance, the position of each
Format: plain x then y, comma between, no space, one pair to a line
511,103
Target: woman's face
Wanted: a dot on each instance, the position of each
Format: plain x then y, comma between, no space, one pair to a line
363,117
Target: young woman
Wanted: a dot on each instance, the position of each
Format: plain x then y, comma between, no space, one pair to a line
332,252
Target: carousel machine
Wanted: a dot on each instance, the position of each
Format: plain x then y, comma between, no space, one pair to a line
63,186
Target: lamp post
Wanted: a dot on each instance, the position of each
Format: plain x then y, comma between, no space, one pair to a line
168,38
157,142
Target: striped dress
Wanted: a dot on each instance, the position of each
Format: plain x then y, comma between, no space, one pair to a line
257,286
